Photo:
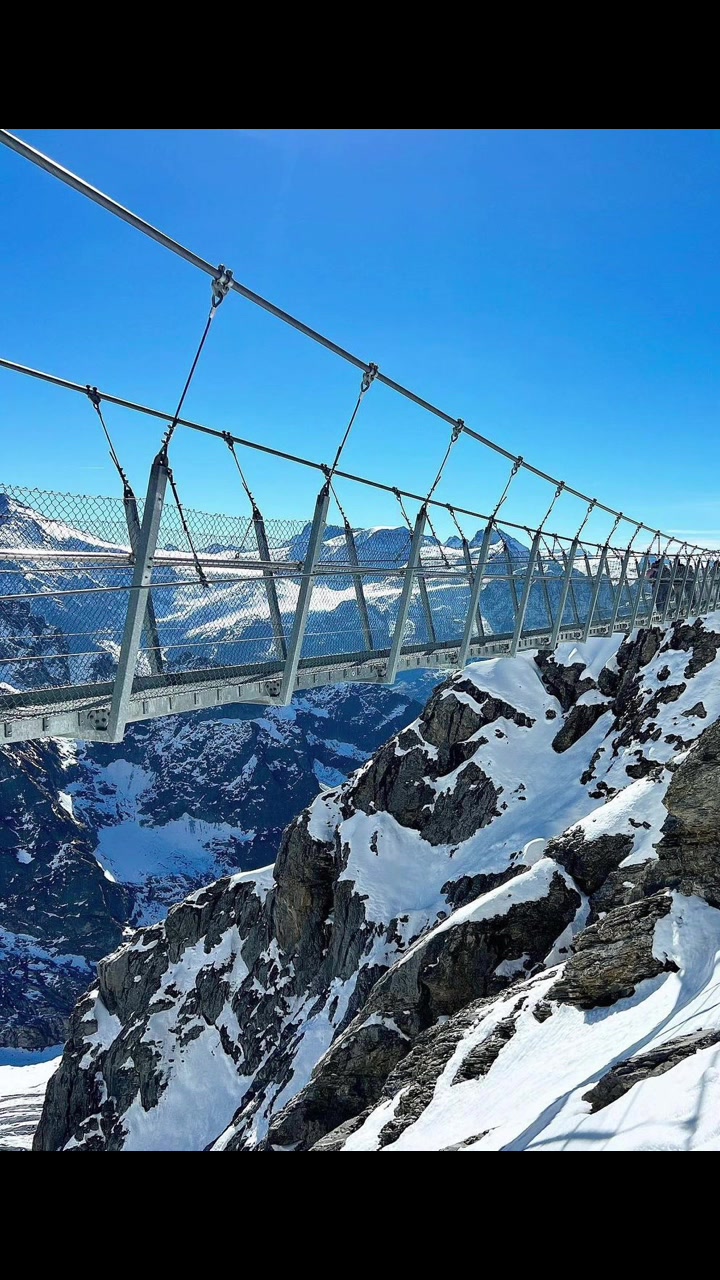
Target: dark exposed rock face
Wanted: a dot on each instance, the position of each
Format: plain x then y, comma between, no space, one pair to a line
689,852
577,723
621,1078
388,1001
398,779
306,872
563,683
441,975
480,1059
57,908
622,886
47,869
696,640
589,861
460,892
614,955
88,1105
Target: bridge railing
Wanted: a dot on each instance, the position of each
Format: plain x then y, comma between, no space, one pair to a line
231,605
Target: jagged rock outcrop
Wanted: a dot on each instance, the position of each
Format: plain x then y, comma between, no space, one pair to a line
95,838
689,851
567,683
400,778
441,974
590,861
624,1075
58,911
578,721
469,903
614,955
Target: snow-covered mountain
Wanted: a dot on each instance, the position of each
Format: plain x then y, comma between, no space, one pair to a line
95,838
503,931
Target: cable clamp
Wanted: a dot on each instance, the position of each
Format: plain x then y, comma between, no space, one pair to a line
93,395
368,378
457,430
221,285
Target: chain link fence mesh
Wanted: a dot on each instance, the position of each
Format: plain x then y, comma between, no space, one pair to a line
66,571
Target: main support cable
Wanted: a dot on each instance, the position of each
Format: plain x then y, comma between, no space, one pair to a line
112,206
149,412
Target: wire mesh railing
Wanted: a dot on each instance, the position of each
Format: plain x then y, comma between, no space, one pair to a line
68,574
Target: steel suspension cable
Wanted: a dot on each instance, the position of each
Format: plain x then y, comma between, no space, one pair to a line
198,567
455,434
591,507
456,522
149,412
112,206
220,289
406,517
231,446
441,549
368,378
515,468
340,507
95,399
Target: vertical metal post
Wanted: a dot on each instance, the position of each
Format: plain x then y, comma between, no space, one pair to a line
406,596
302,608
708,585
713,602
679,612
699,586
422,584
270,587
596,592
639,595
357,580
671,584
522,607
139,594
617,601
569,566
513,584
574,603
544,584
658,584
475,592
132,519
471,583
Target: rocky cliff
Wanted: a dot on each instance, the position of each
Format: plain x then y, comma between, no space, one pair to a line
95,838
500,932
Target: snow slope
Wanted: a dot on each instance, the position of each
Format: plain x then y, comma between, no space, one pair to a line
456,945
23,1081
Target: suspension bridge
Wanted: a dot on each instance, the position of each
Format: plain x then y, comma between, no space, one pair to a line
119,609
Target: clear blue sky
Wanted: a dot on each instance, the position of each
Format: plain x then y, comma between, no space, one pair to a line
557,290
